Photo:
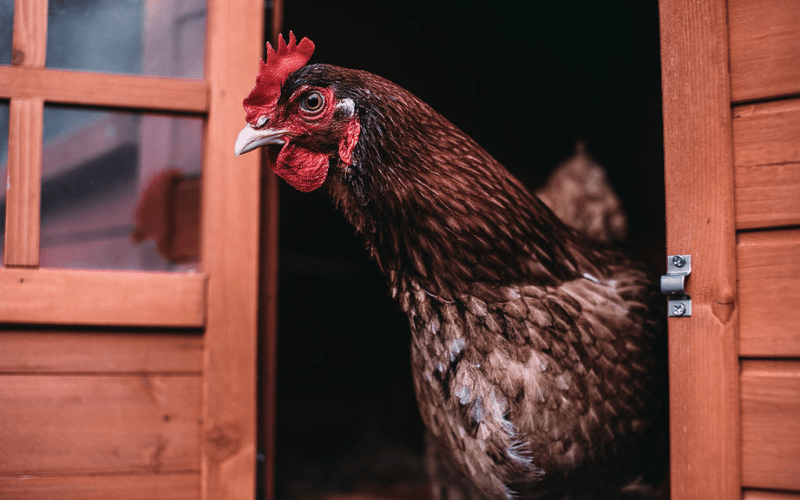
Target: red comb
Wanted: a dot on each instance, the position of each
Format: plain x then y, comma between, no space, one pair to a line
271,75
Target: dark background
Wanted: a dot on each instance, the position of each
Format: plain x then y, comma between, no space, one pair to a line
525,80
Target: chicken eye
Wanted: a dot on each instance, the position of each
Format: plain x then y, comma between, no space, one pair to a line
313,102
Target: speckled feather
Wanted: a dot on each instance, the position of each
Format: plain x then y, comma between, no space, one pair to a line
538,356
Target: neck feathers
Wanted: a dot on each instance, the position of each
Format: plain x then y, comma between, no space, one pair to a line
434,207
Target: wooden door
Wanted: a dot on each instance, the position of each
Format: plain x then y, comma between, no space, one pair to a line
732,165
130,382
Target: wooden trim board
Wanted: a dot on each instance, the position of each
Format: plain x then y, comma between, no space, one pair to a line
703,356
100,351
111,298
23,182
101,89
230,253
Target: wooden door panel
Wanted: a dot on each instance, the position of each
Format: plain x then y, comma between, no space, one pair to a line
88,424
158,400
764,48
766,156
768,267
770,424
100,351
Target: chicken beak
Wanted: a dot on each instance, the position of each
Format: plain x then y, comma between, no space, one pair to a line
251,138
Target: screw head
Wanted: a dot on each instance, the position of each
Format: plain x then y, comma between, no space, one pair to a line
678,261
679,309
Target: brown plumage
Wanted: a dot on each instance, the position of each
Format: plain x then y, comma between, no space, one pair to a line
537,354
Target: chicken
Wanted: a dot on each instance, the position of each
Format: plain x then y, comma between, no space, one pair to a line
538,355
579,194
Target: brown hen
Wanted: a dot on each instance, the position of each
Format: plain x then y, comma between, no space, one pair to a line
538,355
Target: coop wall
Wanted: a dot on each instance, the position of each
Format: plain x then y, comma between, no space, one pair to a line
764,44
97,414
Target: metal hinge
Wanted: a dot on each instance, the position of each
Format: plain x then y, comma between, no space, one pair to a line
673,285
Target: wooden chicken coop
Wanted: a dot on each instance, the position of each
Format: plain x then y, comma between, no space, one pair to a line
121,375
125,376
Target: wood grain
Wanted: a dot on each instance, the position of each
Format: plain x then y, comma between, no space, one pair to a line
229,253
770,424
181,486
101,89
29,43
23,183
704,396
766,156
768,266
99,424
765,48
98,351
110,298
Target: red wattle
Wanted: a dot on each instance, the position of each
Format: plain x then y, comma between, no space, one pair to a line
304,170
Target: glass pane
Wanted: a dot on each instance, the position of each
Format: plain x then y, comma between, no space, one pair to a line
119,190
3,169
6,28
164,38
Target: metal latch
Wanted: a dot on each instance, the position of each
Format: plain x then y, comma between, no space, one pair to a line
673,285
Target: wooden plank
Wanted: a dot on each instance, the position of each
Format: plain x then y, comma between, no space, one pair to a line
229,253
769,495
766,139
102,89
111,298
704,396
183,486
765,48
29,43
770,424
768,266
78,425
23,182
96,351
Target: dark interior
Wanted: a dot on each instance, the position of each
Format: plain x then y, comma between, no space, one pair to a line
526,81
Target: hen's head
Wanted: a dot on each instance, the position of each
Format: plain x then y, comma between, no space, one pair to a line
309,123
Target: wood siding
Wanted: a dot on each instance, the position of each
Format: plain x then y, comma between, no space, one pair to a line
768,265
764,48
100,414
771,424
764,40
766,155
758,104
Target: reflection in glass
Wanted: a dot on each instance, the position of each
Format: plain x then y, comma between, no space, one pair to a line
164,38
6,28
3,169
105,175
